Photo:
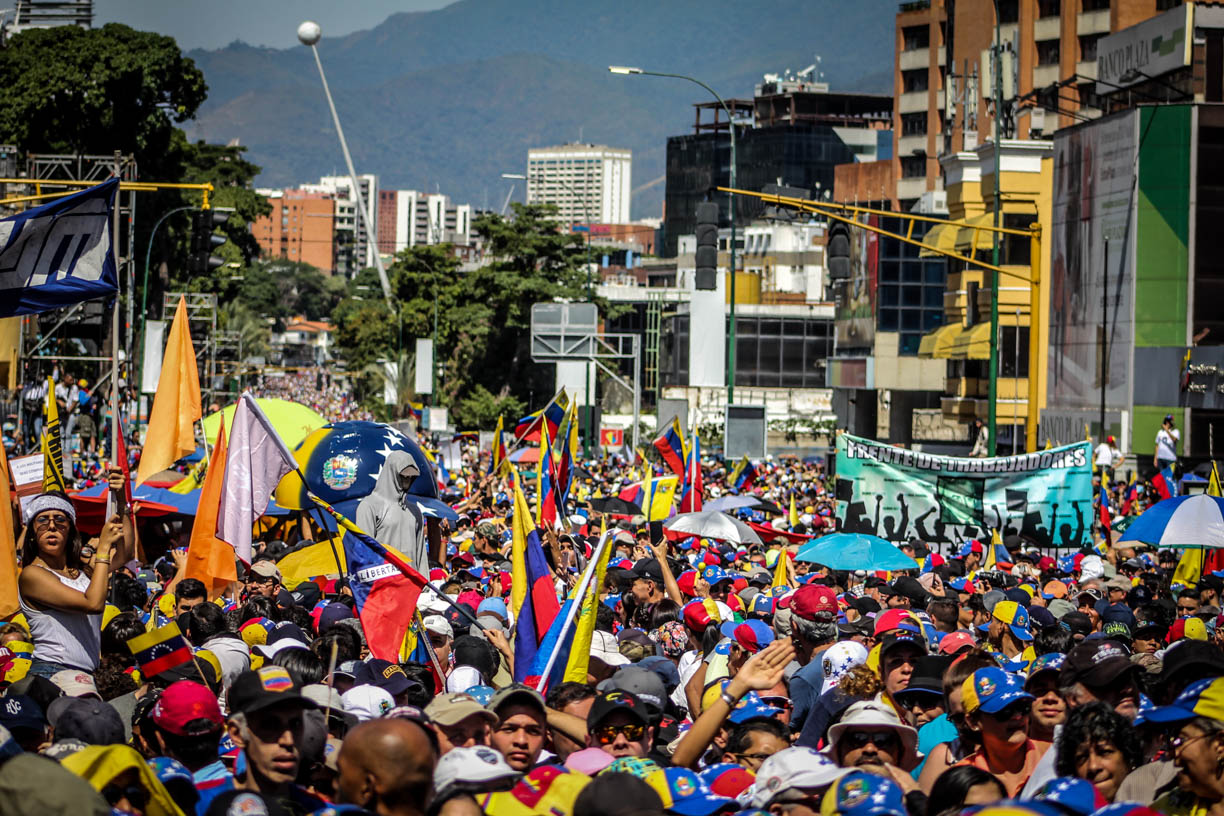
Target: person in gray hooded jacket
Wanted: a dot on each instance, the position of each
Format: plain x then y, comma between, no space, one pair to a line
394,521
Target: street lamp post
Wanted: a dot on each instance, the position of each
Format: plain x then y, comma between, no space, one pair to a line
590,293
308,34
993,393
730,352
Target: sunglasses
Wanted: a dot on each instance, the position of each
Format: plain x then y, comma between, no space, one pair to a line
783,703
46,520
1020,709
606,734
920,700
880,739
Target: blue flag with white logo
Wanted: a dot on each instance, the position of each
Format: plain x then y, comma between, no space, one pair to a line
58,254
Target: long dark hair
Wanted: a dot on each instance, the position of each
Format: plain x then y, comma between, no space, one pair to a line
72,555
951,788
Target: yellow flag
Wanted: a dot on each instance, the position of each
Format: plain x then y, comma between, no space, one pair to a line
8,543
1048,444
584,628
794,513
521,527
991,557
658,494
176,405
1189,568
194,478
780,578
52,450
1213,483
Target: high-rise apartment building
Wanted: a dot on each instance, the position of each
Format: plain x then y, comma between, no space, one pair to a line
341,189
587,183
407,218
943,76
301,227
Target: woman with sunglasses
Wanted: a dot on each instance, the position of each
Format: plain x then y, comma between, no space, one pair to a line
997,708
62,589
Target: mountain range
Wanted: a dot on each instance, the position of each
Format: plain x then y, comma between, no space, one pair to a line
450,99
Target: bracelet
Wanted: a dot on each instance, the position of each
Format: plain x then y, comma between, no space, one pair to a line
101,561
728,699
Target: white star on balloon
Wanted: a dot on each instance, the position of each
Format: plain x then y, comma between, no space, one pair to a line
383,451
394,438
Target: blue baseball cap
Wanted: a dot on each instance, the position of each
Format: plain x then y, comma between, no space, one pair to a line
762,604
1075,795
751,707
715,574
992,689
1046,662
685,793
1014,615
751,635
863,794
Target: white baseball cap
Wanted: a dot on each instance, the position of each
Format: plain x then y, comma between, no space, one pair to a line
839,659
323,696
792,769
475,766
367,702
463,678
604,647
439,626
1091,567
75,683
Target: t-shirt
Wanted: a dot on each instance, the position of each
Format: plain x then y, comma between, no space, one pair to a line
1034,751
805,688
937,731
1105,455
1166,444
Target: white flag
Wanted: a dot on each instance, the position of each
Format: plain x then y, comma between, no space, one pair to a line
256,460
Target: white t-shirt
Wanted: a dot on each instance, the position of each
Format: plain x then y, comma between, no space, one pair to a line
1105,455
1166,444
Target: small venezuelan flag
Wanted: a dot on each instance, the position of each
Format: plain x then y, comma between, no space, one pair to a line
163,648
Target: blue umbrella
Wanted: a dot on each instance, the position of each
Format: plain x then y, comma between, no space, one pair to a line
1186,522
855,551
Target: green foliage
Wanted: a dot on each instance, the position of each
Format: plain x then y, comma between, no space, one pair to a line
365,332
480,409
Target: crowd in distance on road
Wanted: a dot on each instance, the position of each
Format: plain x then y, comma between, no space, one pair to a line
1056,684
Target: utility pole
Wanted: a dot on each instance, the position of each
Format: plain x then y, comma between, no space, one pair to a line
997,65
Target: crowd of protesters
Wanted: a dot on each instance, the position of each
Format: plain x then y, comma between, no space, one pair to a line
1055,684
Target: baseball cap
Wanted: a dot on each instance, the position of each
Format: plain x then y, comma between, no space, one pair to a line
752,707
839,659
1095,663
1054,589
863,794
266,568
605,648
715,574
87,719
75,683
791,771
257,689
992,689
1202,698
1014,615
367,702
386,675
646,684
517,693
701,613
1072,794
479,767
609,702
727,779
448,709
1189,628
685,793
752,635
439,625
814,602
953,642
901,637
1052,661
332,614
20,711
187,709
761,604
891,619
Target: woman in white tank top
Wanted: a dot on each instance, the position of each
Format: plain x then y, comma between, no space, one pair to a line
61,594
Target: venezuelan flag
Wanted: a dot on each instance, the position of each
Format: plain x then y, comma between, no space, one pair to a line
743,475
547,506
690,494
162,649
553,413
385,587
417,409
499,456
653,495
670,445
578,664
536,602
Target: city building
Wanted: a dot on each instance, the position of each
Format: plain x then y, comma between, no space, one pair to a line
341,189
46,14
587,183
407,218
301,227
943,80
303,343
791,135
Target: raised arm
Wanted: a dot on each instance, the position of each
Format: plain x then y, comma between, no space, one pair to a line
39,585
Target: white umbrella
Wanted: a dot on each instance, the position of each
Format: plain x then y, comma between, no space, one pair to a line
725,503
713,524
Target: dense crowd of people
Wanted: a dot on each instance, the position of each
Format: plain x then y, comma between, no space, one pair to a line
722,677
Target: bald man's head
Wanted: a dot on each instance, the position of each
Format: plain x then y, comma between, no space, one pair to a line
386,766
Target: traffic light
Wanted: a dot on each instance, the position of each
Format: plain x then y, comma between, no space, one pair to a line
707,246
837,252
204,240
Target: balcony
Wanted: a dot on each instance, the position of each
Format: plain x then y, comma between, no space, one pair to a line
914,101
911,188
908,145
1047,28
913,60
1044,75
1092,22
1086,69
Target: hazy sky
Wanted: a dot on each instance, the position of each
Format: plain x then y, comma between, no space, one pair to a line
216,23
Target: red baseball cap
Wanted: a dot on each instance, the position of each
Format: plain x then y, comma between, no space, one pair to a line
813,600
953,642
182,705
687,582
891,619
701,613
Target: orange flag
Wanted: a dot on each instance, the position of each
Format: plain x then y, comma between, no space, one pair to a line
210,559
8,543
176,405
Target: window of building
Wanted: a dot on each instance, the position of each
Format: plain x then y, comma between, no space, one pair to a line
913,124
1009,11
916,80
916,37
913,166
1013,351
1096,5
1088,47
1048,52
910,289
1165,5
1049,8
770,352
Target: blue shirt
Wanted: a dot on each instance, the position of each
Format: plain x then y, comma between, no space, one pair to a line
938,730
805,687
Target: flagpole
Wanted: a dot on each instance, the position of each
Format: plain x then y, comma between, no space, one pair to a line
114,400
574,607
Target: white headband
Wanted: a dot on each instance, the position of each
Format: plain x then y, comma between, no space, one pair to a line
47,501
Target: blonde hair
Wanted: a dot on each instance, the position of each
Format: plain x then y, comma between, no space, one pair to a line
861,681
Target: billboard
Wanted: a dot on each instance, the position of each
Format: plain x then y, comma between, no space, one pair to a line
1154,47
1092,239
855,310
901,494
